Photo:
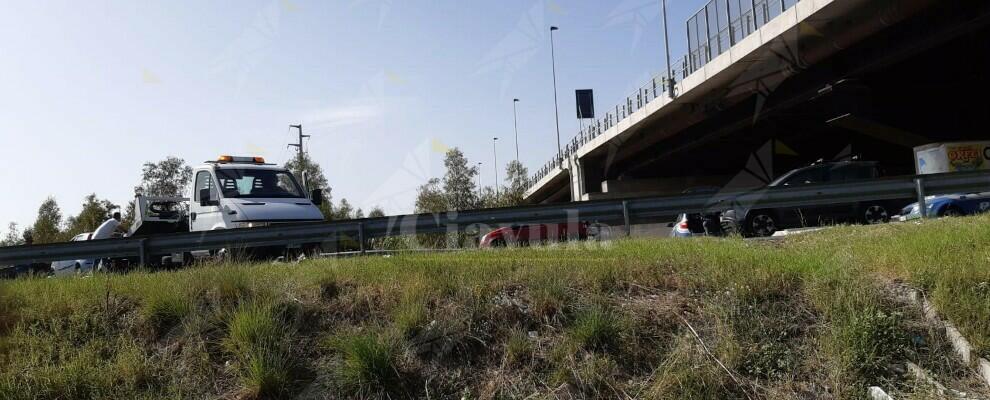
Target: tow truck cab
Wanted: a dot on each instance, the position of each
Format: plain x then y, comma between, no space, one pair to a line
245,192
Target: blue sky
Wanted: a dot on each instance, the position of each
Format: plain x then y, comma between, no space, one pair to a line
88,92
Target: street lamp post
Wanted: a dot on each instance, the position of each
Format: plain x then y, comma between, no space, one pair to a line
495,156
666,47
515,125
479,177
556,111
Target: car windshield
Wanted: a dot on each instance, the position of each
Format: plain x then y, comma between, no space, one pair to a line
801,177
257,183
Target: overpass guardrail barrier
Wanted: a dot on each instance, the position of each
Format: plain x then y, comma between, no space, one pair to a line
616,212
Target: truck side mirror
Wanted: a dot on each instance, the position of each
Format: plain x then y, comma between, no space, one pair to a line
204,197
316,196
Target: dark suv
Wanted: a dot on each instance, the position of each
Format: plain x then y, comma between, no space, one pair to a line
757,221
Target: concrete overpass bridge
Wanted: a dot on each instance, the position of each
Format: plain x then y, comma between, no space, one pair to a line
770,85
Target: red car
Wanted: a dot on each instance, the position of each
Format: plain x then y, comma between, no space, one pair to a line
523,235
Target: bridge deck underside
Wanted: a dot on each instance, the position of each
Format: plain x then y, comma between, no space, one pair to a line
917,82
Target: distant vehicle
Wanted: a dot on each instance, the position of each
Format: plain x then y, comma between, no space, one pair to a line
949,205
229,193
72,267
756,221
524,235
688,225
245,192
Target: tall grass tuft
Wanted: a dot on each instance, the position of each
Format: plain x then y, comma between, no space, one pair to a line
165,308
597,329
369,363
518,348
260,345
8,312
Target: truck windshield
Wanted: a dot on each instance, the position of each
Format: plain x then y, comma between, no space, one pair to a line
257,183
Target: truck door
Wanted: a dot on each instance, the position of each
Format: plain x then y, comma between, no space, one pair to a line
204,217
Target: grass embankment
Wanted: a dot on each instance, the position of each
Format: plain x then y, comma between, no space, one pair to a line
804,318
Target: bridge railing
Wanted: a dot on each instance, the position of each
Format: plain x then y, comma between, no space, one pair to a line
713,30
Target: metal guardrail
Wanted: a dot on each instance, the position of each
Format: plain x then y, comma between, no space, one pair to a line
606,211
713,30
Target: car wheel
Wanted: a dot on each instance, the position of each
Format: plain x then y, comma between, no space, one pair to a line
951,211
499,242
78,269
876,214
761,224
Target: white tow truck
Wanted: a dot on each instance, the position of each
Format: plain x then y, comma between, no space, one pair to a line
229,193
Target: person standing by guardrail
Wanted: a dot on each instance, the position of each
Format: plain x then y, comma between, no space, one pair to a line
106,230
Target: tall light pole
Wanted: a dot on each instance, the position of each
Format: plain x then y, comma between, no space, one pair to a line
479,177
515,125
556,111
495,156
666,47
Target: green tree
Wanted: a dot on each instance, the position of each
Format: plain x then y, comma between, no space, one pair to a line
487,198
168,177
430,198
128,215
458,182
13,236
303,166
47,226
94,212
516,183
345,211
376,212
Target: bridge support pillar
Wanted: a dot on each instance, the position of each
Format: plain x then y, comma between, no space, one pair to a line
576,172
585,177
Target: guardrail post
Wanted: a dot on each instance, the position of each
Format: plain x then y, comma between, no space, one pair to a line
625,217
361,236
919,187
142,252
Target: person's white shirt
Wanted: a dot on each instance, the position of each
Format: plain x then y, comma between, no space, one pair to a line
106,229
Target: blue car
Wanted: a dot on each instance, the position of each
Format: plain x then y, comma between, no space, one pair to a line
949,205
